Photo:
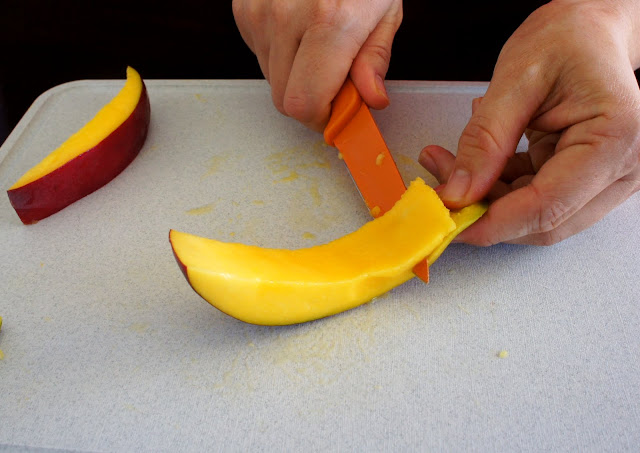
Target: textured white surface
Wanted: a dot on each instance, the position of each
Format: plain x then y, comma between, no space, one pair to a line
107,348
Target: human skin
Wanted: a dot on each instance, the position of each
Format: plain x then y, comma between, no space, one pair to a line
565,77
306,49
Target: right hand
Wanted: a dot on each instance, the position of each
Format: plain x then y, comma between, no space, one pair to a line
307,48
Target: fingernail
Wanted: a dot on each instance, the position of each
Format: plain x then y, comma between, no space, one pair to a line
380,88
429,164
457,186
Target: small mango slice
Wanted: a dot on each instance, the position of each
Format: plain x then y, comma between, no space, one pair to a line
88,159
278,287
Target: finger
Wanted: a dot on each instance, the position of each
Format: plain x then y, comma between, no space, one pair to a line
282,33
282,52
518,165
542,149
562,187
520,182
493,133
239,10
372,62
246,16
319,69
594,211
327,51
475,103
534,135
530,162
437,161
263,61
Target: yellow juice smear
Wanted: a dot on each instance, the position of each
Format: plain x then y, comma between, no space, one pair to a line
201,210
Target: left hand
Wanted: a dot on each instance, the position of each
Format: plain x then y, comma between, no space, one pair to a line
566,75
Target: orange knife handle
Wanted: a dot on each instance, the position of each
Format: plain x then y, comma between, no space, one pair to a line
344,107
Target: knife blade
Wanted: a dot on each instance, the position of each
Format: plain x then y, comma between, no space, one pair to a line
353,130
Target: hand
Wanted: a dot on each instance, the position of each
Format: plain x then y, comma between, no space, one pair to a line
566,75
306,49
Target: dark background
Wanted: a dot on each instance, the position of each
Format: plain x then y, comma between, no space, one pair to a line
44,43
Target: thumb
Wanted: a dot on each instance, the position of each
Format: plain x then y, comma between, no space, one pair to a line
491,136
370,66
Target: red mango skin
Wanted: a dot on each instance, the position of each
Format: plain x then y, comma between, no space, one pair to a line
85,173
181,265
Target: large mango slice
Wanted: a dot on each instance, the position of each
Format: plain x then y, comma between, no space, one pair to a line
276,287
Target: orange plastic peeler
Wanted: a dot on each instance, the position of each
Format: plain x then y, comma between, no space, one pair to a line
354,132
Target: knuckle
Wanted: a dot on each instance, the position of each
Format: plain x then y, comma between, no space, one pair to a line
631,153
296,107
621,127
549,238
249,10
613,133
236,8
546,214
631,182
480,136
394,15
399,15
551,215
335,15
486,242
281,12
328,12
380,52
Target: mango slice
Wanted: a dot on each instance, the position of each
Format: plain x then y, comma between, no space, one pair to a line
463,219
89,159
277,287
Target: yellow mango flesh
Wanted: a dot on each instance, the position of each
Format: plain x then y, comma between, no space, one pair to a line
463,219
95,131
276,287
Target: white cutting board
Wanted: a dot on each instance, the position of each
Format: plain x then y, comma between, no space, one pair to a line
107,348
